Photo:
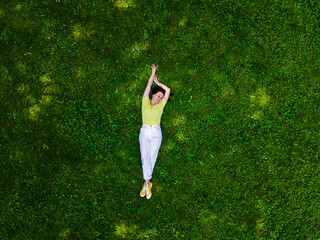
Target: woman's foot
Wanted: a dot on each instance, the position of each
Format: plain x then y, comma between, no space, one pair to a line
143,191
148,190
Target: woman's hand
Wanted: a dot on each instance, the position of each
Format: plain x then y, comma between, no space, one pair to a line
155,79
166,89
154,68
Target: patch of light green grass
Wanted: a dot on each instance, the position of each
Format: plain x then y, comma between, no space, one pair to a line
34,112
183,22
23,88
260,97
124,4
79,32
179,120
124,231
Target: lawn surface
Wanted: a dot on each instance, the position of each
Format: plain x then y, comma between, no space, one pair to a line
240,151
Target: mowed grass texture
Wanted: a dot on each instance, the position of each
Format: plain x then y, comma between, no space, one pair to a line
240,151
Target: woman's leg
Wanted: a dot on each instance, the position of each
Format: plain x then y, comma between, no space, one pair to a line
145,153
155,144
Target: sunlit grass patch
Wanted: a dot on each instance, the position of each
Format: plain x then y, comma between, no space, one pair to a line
34,112
125,231
208,220
260,97
132,232
136,50
50,89
168,146
36,105
263,210
140,46
23,88
260,227
179,120
212,217
46,99
148,234
80,32
18,6
65,233
183,22
124,4
181,137
45,79
80,73
257,115
227,91
30,100
45,146
49,86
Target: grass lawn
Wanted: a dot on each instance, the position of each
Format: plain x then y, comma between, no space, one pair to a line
240,151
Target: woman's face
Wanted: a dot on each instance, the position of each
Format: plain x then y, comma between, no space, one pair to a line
156,98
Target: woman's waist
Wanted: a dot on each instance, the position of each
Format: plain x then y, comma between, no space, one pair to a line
151,126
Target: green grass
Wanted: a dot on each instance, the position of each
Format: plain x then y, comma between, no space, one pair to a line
240,153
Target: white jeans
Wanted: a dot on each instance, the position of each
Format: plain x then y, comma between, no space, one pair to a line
150,139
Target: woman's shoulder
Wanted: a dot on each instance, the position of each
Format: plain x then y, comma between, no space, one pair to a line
145,100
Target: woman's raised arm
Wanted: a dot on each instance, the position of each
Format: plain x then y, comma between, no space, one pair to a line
148,87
